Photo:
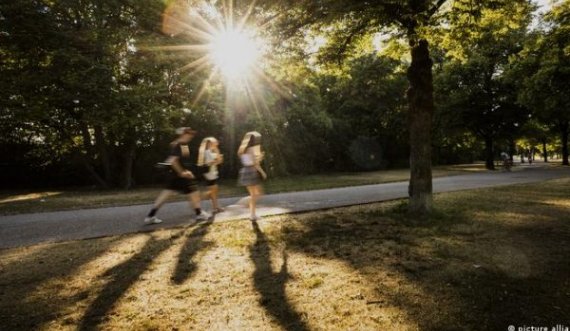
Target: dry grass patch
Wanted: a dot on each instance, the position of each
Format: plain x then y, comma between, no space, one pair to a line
484,260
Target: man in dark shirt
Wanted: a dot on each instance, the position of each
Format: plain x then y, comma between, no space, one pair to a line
181,178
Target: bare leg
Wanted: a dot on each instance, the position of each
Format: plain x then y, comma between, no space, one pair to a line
162,198
214,196
194,199
253,193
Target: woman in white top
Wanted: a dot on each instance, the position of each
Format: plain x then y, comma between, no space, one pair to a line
251,173
209,156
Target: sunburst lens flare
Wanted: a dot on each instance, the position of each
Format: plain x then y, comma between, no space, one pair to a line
222,46
235,53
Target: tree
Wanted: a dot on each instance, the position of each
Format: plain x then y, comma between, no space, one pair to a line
76,81
545,69
477,82
347,22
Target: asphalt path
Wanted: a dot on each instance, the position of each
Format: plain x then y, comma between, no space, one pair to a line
30,229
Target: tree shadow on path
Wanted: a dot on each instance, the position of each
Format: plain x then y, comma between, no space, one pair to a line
271,285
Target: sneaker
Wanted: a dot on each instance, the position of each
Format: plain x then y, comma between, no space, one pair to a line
203,216
152,220
254,218
218,210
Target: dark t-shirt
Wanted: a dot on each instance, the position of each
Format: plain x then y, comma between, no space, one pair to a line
182,151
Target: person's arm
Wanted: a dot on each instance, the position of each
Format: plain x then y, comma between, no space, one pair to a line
211,160
257,165
219,159
178,168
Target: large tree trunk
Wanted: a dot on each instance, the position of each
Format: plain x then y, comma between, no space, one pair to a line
489,154
420,102
564,139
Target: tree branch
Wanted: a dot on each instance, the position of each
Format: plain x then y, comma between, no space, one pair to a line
348,40
435,8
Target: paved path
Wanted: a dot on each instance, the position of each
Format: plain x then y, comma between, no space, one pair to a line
29,229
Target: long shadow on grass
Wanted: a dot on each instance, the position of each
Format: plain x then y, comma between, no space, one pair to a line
271,285
26,302
454,273
121,278
194,242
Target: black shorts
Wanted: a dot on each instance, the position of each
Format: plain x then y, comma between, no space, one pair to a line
183,185
211,182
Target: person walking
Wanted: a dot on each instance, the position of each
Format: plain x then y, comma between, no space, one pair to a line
180,178
251,173
210,156
507,163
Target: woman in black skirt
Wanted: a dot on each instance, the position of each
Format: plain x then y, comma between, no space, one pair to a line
251,173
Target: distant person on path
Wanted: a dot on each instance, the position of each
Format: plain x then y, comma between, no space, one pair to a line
530,156
251,173
181,179
209,156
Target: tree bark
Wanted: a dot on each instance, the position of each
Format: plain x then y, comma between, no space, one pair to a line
564,139
489,154
421,107
512,149
127,175
94,175
87,158
102,147
544,152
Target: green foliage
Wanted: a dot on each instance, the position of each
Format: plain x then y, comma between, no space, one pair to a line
85,96
475,88
544,72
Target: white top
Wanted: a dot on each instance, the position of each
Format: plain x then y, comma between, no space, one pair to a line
212,173
247,159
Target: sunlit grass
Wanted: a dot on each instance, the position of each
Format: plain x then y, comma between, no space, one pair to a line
29,196
485,258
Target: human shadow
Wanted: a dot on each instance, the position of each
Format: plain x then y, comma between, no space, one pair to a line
121,278
194,243
271,285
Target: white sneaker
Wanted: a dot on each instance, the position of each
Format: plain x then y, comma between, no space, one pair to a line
152,220
254,218
204,216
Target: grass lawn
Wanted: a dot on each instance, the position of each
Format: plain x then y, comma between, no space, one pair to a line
486,259
41,201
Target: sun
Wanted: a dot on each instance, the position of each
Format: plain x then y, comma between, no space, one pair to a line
235,53
225,42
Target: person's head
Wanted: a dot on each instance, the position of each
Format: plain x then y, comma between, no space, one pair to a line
251,139
254,140
185,134
211,143
207,144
